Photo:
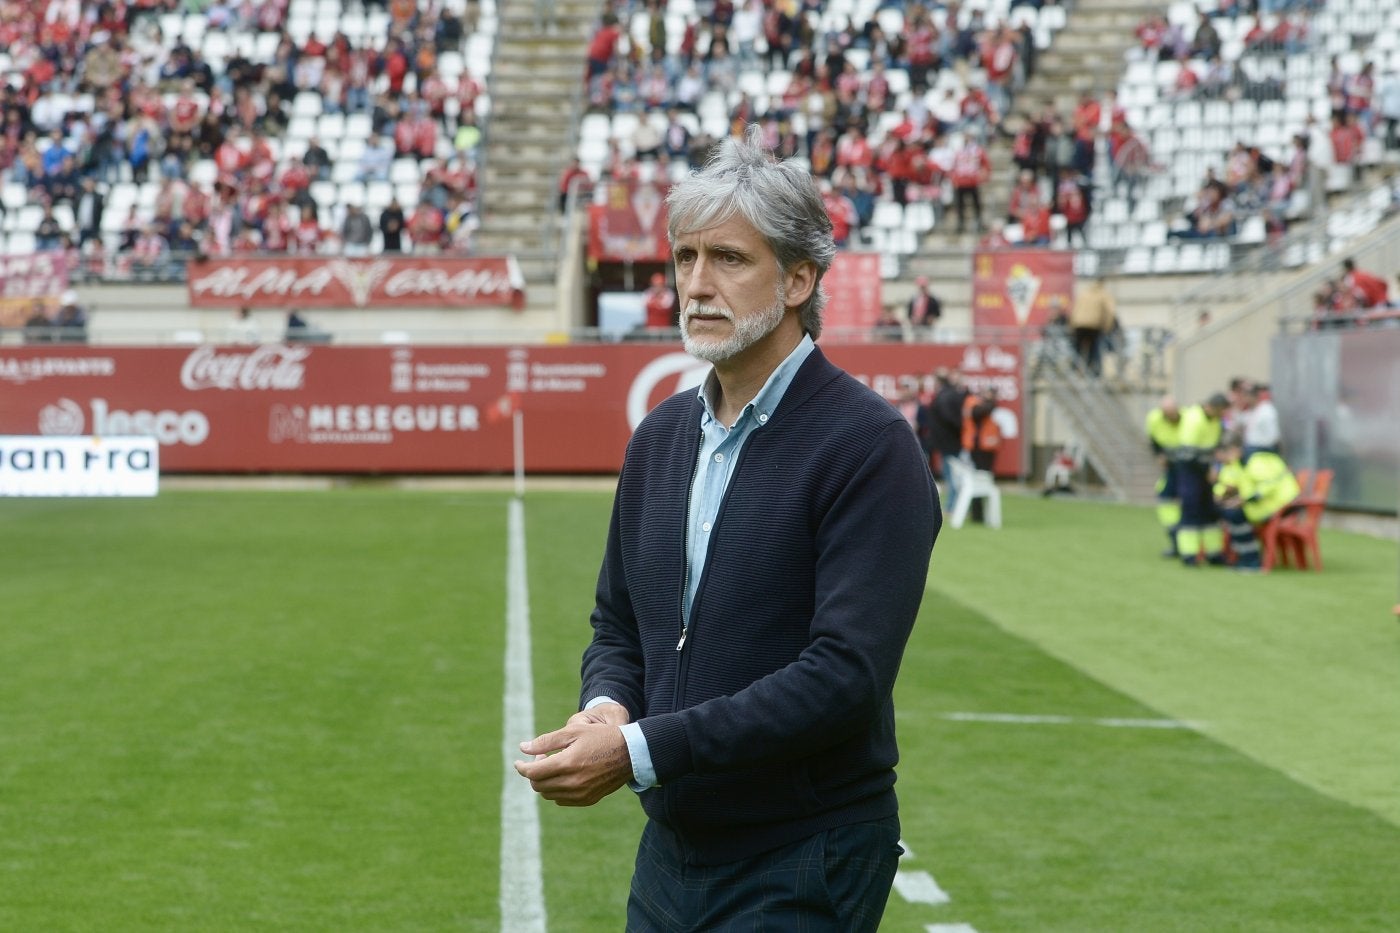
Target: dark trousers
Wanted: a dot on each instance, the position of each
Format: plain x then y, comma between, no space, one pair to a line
961,197
1243,540
834,882
1088,344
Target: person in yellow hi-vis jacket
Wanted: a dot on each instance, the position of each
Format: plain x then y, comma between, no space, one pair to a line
1163,423
1248,493
1197,434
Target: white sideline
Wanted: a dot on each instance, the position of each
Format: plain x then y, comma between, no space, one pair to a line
918,887
522,878
1023,719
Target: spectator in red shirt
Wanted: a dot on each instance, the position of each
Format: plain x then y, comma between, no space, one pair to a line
660,303
877,89
231,158
306,238
1346,138
425,228
842,213
603,45
276,230
853,150
1370,290
1025,195
394,65
971,169
1086,129
1072,202
295,178
999,59
1035,224
573,173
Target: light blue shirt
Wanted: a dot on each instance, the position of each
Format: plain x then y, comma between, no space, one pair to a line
720,447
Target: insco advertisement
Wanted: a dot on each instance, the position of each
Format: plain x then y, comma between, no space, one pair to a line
324,409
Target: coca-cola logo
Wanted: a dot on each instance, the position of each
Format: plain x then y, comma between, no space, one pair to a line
271,367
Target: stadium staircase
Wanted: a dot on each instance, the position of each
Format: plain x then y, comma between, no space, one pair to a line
1087,55
1101,419
1108,434
536,92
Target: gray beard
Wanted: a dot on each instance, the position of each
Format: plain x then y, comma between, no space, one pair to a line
748,331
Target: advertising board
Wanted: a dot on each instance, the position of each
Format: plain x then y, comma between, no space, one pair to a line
409,409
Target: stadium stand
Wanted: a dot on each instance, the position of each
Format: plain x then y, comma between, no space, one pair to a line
1231,133
255,126
231,126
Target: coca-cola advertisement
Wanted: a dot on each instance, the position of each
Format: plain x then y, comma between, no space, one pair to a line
325,282
327,409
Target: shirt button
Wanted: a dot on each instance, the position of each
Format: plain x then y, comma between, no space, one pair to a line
704,526
762,419
719,458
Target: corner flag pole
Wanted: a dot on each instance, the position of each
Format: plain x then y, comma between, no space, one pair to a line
518,419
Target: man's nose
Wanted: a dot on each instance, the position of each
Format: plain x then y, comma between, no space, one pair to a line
698,283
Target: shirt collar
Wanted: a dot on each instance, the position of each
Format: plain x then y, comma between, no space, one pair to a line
768,397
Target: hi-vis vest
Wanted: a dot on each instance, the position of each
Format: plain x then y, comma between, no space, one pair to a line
1163,434
1196,436
1265,484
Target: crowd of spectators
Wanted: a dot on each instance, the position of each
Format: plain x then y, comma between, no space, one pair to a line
97,95
876,115
1361,106
870,113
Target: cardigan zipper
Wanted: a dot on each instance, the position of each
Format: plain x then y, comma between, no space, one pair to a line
685,540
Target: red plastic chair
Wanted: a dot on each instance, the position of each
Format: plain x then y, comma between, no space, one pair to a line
1267,531
1297,531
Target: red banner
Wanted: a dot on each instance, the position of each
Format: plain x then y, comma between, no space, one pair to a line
41,277
1020,288
327,409
384,282
627,223
853,287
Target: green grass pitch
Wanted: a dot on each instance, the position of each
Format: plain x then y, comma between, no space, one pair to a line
282,711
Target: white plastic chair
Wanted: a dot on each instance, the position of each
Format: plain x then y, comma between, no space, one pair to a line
974,484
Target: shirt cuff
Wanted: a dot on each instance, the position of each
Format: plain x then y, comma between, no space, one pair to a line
643,771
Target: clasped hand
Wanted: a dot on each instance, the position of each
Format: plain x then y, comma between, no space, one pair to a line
583,762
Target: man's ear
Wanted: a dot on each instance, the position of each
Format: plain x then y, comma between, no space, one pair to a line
799,283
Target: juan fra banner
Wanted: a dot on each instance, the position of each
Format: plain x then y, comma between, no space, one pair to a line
79,466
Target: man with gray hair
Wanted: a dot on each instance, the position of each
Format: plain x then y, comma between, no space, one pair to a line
767,555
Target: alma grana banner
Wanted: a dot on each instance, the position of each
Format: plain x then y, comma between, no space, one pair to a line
431,409
79,466
325,282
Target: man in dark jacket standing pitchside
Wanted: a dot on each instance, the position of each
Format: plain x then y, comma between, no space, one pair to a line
768,551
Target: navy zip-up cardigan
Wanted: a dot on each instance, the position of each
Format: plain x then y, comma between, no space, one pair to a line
775,720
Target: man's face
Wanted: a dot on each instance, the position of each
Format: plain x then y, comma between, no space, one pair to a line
731,289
